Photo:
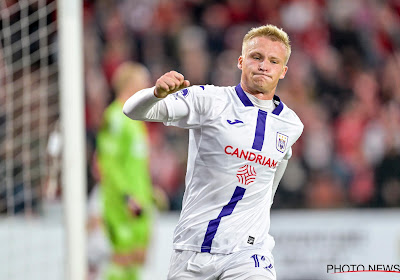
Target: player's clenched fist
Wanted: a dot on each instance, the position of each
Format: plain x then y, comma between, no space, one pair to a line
169,83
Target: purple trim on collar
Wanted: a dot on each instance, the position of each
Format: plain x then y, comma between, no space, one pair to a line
246,101
278,109
242,96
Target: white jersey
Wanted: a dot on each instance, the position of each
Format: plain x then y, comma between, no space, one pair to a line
234,150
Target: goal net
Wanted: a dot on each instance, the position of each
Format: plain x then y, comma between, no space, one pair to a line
32,230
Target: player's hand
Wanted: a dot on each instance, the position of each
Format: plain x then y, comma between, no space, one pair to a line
133,206
169,83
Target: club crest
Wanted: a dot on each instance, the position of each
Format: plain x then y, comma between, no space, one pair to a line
281,142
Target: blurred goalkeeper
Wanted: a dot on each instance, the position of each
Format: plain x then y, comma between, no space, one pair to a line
126,187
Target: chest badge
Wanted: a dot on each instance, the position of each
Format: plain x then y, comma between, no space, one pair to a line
281,142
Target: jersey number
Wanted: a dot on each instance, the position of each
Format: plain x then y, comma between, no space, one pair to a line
257,262
239,191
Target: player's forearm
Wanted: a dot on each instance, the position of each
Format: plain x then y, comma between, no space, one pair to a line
144,106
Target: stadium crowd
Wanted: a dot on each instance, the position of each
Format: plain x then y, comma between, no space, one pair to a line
343,82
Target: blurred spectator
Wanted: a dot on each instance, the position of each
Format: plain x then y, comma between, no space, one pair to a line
324,191
388,170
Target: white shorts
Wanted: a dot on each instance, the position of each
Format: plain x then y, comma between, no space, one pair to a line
241,265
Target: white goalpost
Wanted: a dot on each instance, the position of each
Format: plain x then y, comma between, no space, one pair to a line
42,140
72,127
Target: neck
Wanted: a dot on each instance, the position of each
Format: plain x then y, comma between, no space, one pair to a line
263,95
259,94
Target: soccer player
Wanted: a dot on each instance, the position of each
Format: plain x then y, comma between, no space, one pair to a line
126,189
240,140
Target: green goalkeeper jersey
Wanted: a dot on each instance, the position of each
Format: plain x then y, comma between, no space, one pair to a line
122,152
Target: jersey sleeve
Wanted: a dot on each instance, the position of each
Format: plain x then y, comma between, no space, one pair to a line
144,106
288,154
192,107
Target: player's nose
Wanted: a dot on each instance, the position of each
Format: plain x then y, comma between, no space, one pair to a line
263,66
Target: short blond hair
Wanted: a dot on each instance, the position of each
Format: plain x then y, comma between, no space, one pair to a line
127,72
272,32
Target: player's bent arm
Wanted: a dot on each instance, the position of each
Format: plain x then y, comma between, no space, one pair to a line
144,106
148,104
280,170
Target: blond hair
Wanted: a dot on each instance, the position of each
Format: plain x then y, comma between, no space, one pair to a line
126,73
272,32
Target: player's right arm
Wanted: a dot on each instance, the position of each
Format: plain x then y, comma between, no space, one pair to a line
148,104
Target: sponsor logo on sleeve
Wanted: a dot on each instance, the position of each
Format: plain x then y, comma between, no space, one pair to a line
185,92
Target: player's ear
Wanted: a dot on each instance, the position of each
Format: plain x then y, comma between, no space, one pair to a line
240,62
284,72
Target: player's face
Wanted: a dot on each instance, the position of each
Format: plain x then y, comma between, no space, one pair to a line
262,64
